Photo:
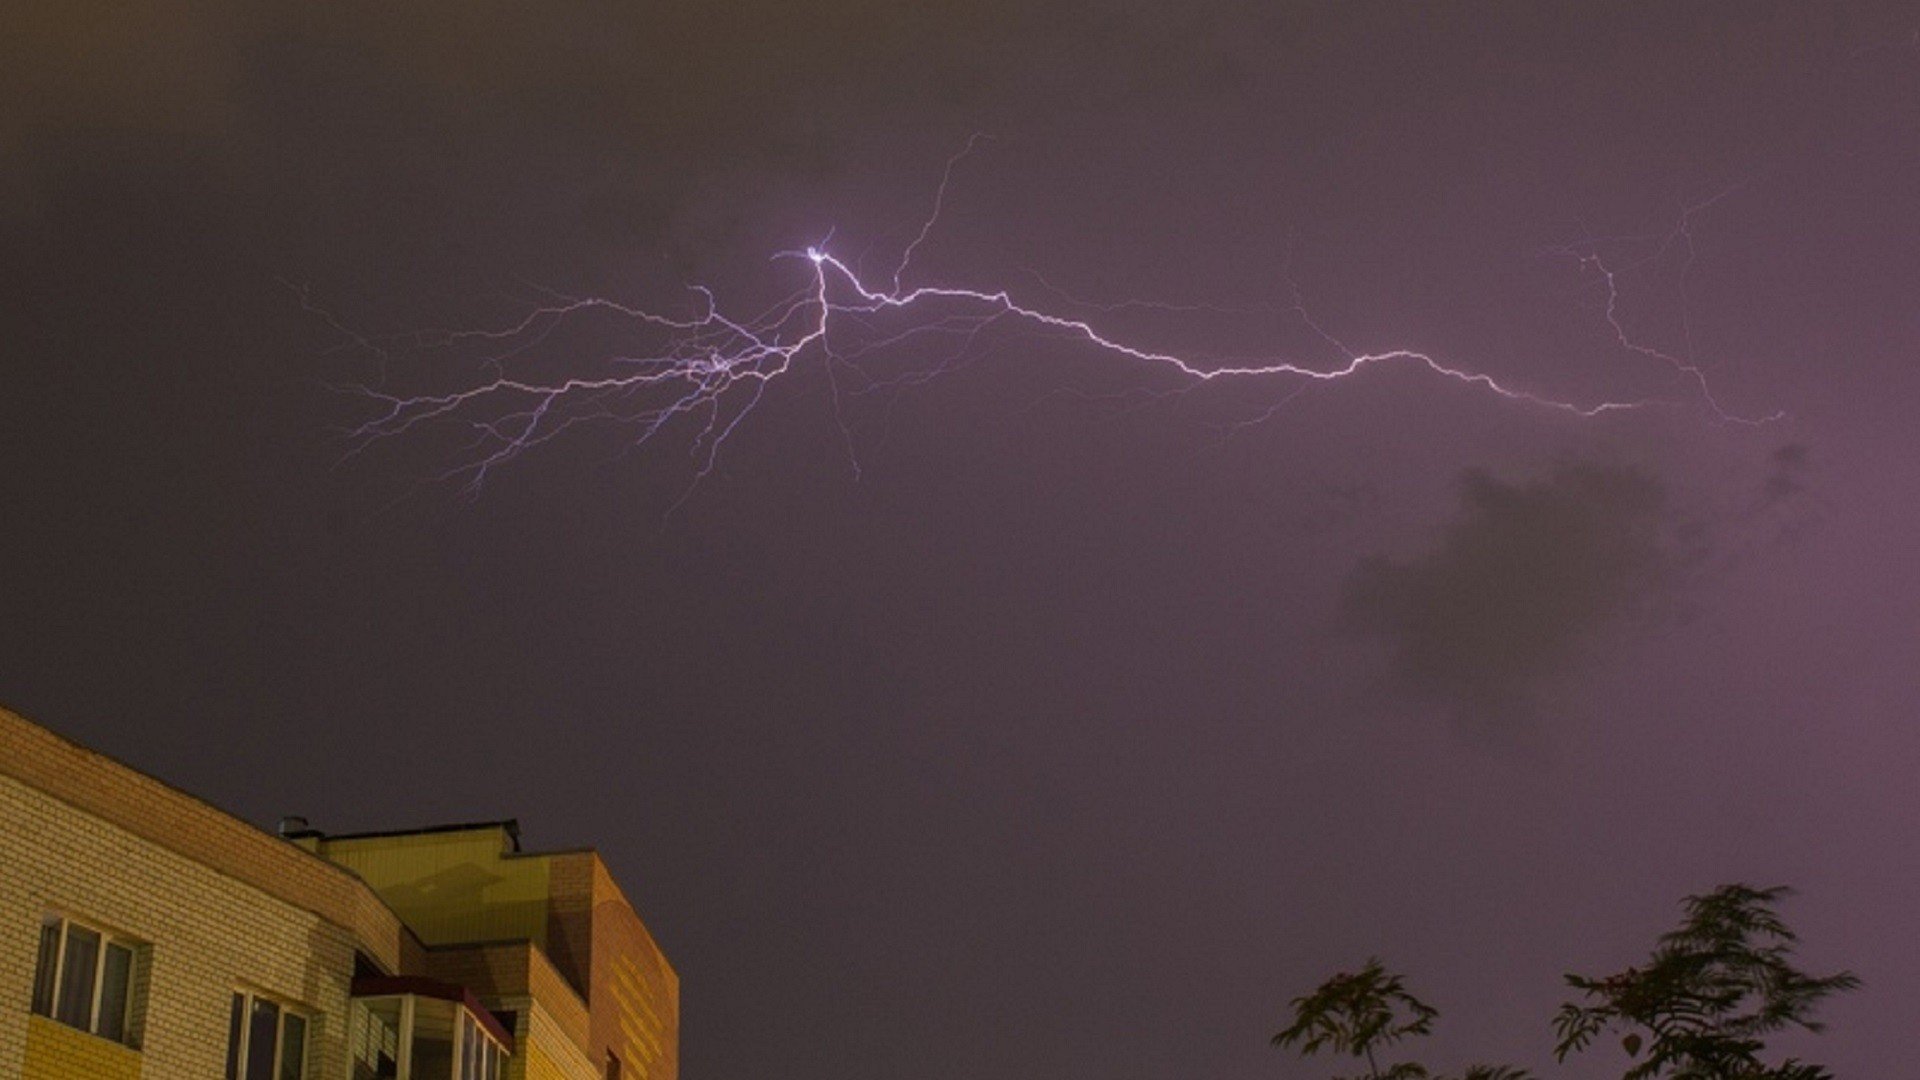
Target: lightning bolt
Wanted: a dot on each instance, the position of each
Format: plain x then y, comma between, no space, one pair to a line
709,371
1680,237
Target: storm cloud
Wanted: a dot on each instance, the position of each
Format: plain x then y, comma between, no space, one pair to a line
1525,574
1035,728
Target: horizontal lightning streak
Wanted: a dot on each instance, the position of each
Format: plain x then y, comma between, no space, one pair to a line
714,370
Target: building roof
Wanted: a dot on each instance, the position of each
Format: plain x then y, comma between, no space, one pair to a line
511,826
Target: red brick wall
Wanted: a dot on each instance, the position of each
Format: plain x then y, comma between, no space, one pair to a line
599,944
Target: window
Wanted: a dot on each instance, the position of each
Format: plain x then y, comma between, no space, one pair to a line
422,1037
480,1057
84,978
373,1039
265,1040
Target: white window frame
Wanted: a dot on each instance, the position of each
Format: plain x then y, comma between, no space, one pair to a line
487,1048
107,937
486,1042
287,1008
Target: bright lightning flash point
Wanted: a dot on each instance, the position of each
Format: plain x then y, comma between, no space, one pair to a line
708,371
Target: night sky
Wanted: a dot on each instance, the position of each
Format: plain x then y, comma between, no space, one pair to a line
1090,722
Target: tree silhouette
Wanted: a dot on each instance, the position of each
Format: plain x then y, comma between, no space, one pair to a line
1714,989
1370,1009
1701,1008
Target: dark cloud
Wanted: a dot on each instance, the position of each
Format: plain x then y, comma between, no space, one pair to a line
1787,475
653,105
1524,576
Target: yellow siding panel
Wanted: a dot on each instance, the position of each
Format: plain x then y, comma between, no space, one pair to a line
58,1052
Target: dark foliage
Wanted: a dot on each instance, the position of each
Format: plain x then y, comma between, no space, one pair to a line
1357,1013
1701,1008
1704,1004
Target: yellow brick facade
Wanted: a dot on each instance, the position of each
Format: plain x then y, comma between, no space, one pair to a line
206,935
214,905
472,883
550,1054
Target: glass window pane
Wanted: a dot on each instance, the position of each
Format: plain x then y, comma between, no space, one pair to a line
234,1021
262,1025
116,972
75,1004
293,1047
47,967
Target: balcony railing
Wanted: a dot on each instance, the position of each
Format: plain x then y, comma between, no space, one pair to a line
420,1029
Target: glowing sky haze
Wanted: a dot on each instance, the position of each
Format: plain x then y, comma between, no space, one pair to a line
1169,548
712,370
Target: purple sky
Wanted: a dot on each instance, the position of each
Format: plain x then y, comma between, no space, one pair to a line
1070,739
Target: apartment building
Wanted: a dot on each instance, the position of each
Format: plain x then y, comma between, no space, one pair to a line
146,934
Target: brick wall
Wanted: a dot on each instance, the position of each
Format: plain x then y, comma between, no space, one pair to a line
551,1053
207,933
517,975
570,916
203,833
224,905
636,995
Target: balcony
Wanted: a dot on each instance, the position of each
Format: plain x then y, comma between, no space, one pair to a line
405,1028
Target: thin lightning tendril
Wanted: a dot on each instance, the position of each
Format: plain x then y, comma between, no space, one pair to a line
712,370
